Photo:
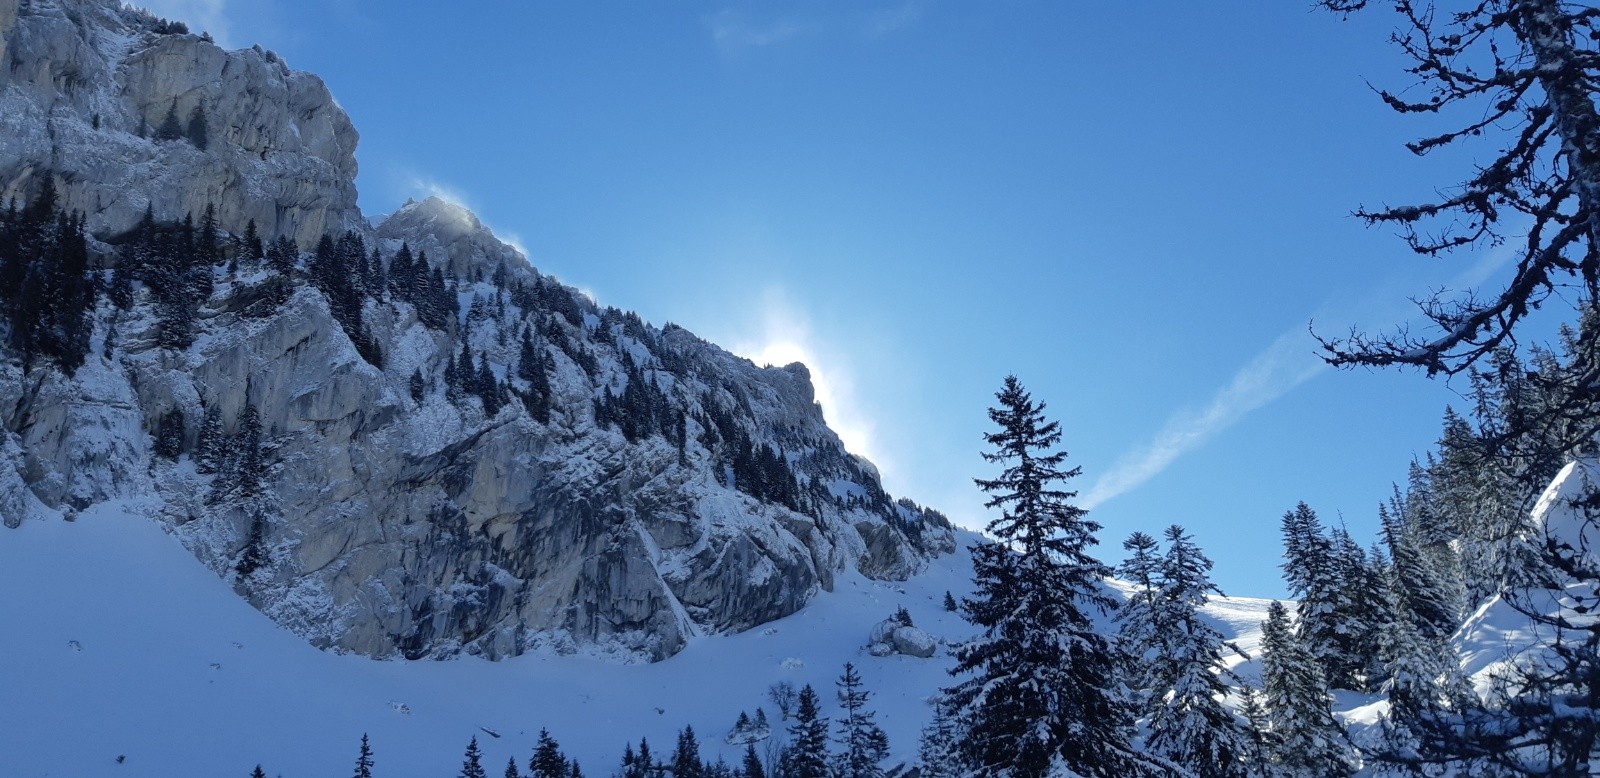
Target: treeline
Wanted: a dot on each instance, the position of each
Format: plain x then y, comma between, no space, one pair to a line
850,745
46,288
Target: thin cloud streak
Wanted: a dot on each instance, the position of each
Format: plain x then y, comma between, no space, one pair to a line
1277,370
734,30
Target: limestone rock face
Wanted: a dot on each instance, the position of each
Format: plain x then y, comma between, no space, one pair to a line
85,87
503,466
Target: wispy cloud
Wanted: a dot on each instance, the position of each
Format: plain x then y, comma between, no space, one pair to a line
733,29
201,16
738,29
887,21
1282,366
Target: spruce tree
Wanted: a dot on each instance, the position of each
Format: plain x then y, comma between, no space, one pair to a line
751,767
939,752
364,759
547,761
170,128
807,755
686,761
1306,740
1042,693
1189,724
1139,633
1312,571
258,772
472,762
511,769
862,742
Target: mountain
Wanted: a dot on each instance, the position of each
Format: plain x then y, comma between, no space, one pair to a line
396,440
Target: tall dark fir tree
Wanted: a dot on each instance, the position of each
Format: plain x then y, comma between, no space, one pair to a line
1041,692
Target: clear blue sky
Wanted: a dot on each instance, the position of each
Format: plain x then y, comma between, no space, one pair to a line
1136,208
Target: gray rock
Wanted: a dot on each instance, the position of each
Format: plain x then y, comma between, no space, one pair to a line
914,642
393,527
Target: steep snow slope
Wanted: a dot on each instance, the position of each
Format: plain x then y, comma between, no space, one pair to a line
117,644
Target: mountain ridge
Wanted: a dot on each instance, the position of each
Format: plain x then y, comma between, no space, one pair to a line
405,441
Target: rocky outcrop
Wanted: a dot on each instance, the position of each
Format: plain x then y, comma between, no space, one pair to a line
85,88
892,636
530,470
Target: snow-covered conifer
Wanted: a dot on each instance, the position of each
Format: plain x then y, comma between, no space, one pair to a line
807,754
1189,724
1306,741
1041,695
863,743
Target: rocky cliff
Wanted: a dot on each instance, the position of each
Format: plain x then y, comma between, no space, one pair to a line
396,440
86,87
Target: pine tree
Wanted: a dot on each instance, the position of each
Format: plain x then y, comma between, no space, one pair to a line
863,743
1189,725
807,755
547,761
170,128
686,762
1306,740
364,759
1312,572
751,767
472,763
1042,693
1139,633
511,769
258,772
939,752
169,435
208,448
949,602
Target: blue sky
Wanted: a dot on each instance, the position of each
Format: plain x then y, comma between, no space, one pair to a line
1135,208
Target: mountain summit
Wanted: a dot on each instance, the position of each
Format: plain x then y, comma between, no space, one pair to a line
398,440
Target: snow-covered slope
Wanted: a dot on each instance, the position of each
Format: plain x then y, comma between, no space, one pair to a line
117,644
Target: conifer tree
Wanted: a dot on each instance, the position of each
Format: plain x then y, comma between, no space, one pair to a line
1139,634
1306,740
169,435
511,769
364,759
807,755
863,743
258,772
939,752
1041,696
686,761
1189,724
751,767
1312,571
547,761
472,762
170,128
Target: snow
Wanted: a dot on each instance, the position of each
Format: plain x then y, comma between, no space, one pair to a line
125,646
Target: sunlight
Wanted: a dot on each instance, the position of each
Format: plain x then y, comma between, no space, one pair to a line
785,338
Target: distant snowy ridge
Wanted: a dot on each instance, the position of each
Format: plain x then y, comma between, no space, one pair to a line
406,441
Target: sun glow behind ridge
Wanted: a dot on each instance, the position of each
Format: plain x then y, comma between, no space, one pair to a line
786,337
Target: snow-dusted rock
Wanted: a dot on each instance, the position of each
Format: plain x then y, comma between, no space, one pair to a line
891,636
84,84
914,642
390,525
